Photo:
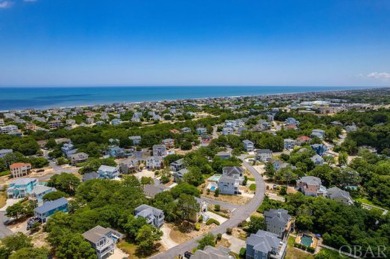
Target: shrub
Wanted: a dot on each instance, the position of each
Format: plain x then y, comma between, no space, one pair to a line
252,187
217,207
242,252
219,236
208,191
197,226
211,221
229,231
200,218
216,193
310,249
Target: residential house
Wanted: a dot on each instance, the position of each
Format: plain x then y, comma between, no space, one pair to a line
185,130
152,215
320,149
136,117
234,171
48,208
350,128
4,152
179,175
249,146
289,143
228,185
8,129
177,165
201,131
116,152
264,245
302,140
337,194
90,176
78,158
224,154
278,222
136,140
39,191
278,164
317,160
291,121
68,149
227,131
319,133
159,150
154,162
116,122
151,190
311,186
210,252
130,165
54,124
103,240
108,172
169,143
21,187
263,155
20,169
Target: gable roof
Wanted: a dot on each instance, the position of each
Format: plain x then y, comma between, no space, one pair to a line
51,205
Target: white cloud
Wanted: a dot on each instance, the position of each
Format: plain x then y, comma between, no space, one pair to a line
379,75
5,4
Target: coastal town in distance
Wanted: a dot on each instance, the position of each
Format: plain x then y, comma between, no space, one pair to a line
303,175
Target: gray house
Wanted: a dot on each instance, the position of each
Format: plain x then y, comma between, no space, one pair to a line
136,140
152,215
234,171
248,145
177,165
278,222
337,194
317,160
159,150
210,252
108,172
102,240
264,245
228,185
78,158
263,155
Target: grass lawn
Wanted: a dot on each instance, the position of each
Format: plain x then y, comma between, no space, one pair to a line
5,173
295,253
331,254
252,187
364,200
127,248
3,199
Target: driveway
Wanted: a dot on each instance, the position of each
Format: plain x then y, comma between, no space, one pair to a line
4,230
235,243
238,215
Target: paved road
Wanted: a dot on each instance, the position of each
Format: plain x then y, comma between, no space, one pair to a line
239,215
56,170
4,231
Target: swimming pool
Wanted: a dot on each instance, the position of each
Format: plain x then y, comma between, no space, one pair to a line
306,240
212,188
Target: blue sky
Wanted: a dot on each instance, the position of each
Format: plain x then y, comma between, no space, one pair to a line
188,42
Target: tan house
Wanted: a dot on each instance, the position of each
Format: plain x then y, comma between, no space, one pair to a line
20,169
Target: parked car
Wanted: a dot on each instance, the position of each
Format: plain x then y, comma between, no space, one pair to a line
187,254
8,221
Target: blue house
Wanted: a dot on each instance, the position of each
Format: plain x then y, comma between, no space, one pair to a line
49,208
320,149
21,187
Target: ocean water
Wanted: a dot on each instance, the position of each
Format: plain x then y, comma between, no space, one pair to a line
49,97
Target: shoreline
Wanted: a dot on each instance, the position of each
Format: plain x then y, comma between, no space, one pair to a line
108,103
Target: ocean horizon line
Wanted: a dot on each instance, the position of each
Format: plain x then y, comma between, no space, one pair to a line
13,98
